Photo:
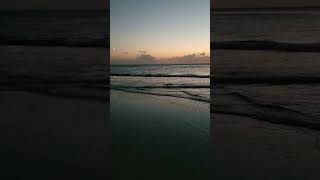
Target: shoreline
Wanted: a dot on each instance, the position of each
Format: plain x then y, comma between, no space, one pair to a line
107,99
219,111
161,95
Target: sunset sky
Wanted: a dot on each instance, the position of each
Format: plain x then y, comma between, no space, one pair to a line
166,31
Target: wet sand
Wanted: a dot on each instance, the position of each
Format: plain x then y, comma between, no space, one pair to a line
50,137
158,137
46,137
245,148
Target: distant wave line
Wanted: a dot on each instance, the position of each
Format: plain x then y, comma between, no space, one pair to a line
266,45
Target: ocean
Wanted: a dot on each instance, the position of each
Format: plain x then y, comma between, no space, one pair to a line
183,81
300,26
57,53
266,65
72,28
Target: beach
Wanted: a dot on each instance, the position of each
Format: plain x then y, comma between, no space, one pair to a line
159,137
246,148
49,137
241,147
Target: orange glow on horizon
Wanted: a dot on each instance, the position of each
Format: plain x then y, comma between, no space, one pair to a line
159,54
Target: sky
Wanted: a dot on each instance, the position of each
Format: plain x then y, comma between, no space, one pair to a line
166,31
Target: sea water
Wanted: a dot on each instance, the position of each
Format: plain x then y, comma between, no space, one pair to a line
184,81
61,53
266,65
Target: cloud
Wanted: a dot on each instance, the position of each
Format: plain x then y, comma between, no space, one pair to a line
143,52
146,58
142,58
194,58
202,54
